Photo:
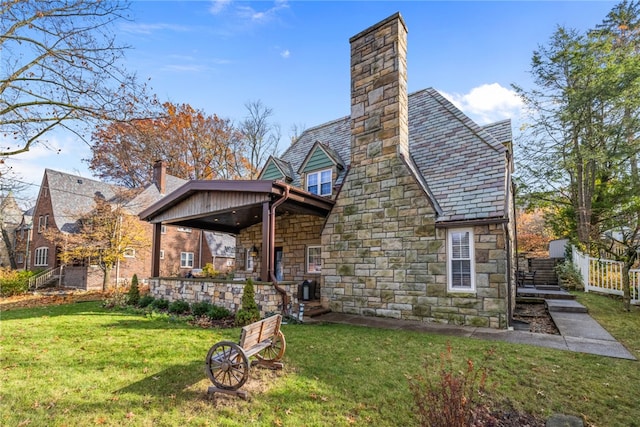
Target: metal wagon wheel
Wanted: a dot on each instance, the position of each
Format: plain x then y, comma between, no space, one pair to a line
227,365
275,351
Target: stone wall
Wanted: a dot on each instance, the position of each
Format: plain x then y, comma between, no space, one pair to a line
224,294
294,233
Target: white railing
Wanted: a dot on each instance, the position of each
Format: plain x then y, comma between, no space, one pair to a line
44,277
605,276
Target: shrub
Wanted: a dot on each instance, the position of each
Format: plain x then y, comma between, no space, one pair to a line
209,270
249,311
179,307
133,297
160,304
452,397
569,276
200,308
145,301
115,297
13,282
216,312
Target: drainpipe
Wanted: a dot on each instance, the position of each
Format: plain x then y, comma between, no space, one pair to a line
272,246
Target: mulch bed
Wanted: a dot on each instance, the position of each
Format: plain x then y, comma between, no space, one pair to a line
537,317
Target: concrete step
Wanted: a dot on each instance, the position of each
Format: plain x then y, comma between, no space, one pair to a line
544,294
565,306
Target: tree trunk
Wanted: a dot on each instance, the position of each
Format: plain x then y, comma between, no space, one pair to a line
626,287
106,278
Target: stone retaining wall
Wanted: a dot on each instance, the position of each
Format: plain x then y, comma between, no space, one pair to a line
224,294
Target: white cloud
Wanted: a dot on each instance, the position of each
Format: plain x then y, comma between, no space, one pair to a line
285,54
488,103
146,29
218,6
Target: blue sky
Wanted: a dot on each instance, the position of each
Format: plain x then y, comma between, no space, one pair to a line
293,56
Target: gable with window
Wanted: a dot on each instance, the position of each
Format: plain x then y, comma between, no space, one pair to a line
319,170
460,260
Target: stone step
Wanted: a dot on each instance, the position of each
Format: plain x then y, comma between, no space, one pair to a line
565,306
544,294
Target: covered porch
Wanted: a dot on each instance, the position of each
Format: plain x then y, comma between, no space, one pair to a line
264,215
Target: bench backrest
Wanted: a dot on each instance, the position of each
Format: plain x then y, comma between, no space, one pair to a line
259,331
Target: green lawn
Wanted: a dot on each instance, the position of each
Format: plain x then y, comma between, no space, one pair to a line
80,364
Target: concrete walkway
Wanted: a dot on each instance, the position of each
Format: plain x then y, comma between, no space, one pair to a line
579,331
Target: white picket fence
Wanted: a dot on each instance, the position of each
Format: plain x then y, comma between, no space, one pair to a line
605,276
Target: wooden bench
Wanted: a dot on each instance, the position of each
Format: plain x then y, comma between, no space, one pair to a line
227,364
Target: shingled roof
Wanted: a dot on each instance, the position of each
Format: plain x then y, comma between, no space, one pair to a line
462,163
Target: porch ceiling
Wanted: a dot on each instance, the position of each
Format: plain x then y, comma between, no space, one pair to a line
230,206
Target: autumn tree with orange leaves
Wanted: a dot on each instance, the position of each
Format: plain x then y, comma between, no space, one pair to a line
194,145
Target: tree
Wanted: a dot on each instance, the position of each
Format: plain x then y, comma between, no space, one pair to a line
261,137
104,236
193,145
581,150
61,67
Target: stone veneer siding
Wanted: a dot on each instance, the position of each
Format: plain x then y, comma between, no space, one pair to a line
223,294
294,233
382,253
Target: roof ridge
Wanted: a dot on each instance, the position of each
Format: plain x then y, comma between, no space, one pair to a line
485,136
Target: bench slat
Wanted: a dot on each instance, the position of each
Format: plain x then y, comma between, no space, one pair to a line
259,331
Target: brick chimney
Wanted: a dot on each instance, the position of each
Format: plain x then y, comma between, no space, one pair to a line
160,176
379,100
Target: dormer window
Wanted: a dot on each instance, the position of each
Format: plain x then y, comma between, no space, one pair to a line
319,182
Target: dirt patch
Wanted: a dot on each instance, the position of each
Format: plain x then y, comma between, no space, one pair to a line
52,296
536,316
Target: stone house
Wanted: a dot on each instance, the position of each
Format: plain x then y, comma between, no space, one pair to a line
63,199
403,209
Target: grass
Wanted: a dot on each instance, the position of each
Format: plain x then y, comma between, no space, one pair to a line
80,364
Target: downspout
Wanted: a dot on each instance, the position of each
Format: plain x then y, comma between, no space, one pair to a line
272,246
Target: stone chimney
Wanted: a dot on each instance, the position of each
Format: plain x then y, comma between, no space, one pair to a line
379,100
160,176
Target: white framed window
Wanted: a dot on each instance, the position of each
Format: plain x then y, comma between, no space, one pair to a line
314,259
319,182
460,260
129,253
163,229
230,262
161,253
249,260
186,259
41,257
19,258
184,229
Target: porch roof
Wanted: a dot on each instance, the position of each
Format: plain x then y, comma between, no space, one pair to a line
230,206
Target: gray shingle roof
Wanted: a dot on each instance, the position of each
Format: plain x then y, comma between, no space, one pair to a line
463,164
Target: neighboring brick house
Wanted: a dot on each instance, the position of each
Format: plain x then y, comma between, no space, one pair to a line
22,237
404,209
64,198
10,218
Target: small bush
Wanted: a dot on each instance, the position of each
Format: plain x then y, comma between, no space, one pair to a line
145,301
115,297
179,307
160,304
14,282
452,397
569,276
209,270
249,311
216,312
200,308
133,297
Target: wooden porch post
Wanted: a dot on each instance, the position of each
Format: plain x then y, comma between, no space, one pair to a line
155,250
265,267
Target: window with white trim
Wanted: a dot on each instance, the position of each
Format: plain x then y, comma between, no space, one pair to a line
186,259
163,229
129,253
314,259
460,260
19,258
248,265
42,223
161,253
319,182
41,257
184,229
